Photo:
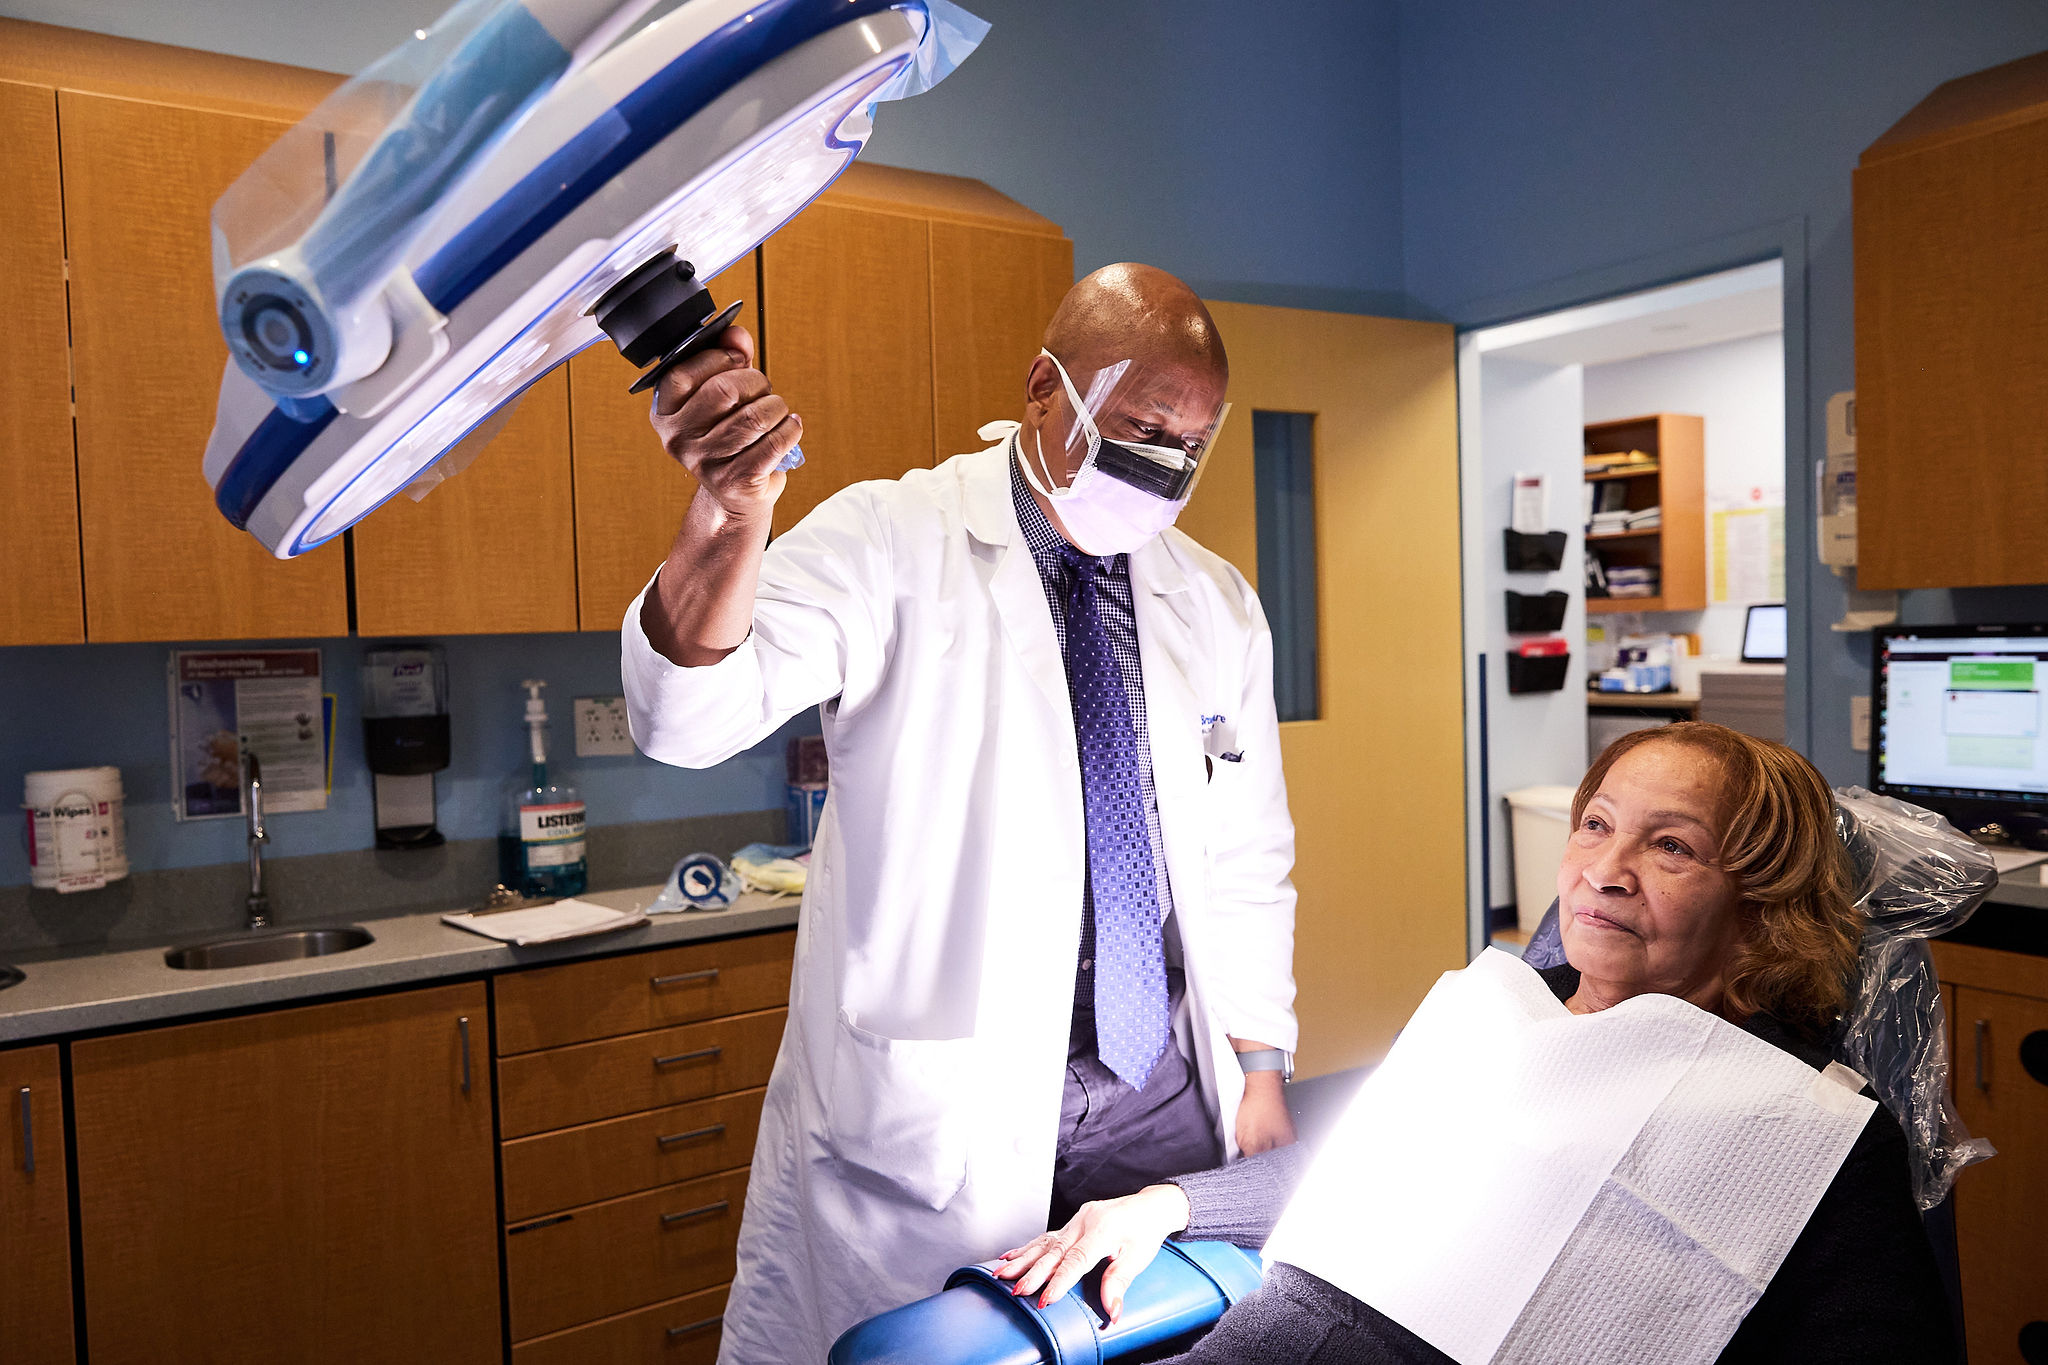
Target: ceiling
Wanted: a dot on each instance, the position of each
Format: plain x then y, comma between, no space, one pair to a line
1730,305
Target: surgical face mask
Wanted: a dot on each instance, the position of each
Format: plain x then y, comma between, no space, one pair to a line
1125,493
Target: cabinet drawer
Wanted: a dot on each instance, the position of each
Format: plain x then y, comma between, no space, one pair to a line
596,1161
682,1331
623,1254
580,1001
538,1091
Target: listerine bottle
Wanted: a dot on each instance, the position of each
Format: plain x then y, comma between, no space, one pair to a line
540,845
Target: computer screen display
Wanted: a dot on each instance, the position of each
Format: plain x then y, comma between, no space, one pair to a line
1763,634
1956,713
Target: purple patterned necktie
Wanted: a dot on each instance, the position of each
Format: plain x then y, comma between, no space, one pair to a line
1130,964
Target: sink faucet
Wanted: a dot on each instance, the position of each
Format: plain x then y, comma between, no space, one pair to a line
252,805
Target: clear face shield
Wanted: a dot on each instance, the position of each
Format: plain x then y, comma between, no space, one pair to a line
1132,441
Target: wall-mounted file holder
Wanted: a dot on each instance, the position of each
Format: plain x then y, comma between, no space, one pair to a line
1536,613
1539,553
1537,672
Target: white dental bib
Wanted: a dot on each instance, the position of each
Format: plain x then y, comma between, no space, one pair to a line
1516,1183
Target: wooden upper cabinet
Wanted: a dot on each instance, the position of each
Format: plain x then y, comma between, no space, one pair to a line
849,345
35,1217
993,291
161,563
41,592
311,1185
1951,261
630,496
489,550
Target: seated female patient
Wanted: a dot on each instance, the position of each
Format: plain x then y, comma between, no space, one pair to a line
1703,864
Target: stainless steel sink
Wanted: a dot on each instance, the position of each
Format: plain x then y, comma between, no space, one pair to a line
249,950
9,976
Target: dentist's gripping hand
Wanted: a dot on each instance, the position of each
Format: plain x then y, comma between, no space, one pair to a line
716,414
1126,1232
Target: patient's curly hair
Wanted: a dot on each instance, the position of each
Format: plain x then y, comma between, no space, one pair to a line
1797,957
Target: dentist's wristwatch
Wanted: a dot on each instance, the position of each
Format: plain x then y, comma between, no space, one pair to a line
1268,1059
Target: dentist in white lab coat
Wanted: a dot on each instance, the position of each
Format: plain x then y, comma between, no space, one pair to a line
1004,811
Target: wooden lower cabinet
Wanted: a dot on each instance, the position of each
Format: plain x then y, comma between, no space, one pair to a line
35,1221
609,1257
306,1185
1997,1006
2001,1082
625,1154
680,1331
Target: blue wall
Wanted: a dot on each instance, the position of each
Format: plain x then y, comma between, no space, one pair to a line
77,706
1542,142
1253,150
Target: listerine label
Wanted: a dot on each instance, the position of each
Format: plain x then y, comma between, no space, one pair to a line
552,835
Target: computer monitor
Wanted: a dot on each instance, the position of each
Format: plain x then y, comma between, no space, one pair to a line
1956,719
1763,634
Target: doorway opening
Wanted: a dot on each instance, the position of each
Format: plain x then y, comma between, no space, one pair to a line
1623,471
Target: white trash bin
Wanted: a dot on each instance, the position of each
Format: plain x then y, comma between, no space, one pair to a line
1539,825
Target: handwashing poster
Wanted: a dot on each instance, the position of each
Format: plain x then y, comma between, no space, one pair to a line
269,698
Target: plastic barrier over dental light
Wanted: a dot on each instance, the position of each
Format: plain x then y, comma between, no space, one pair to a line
395,271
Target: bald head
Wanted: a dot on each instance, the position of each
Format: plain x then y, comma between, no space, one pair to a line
1137,313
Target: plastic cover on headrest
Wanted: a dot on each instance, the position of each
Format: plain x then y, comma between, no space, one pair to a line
1914,875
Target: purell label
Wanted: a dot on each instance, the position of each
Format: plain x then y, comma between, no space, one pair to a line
552,824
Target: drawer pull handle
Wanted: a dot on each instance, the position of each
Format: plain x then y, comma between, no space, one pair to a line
669,1220
540,1223
462,1028
690,1327
701,1054
708,974
28,1134
1983,1081
672,1139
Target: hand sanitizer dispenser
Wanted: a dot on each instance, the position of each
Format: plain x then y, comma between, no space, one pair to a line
405,740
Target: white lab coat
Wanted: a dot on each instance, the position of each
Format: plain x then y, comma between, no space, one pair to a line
910,1122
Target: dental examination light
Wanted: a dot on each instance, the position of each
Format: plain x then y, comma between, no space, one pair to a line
517,182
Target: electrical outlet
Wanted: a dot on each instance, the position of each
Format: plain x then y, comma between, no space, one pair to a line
1859,724
601,730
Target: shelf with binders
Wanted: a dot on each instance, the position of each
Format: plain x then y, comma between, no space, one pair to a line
1646,514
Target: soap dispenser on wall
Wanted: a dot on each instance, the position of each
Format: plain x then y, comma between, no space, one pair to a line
405,740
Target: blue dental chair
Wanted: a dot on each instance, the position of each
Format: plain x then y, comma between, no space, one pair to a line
977,1321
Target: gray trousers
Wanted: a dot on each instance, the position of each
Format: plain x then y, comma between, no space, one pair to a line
1115,1140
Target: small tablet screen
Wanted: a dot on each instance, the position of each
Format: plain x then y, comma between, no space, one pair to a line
1763,635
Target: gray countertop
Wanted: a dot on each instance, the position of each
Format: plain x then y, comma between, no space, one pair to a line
76,992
